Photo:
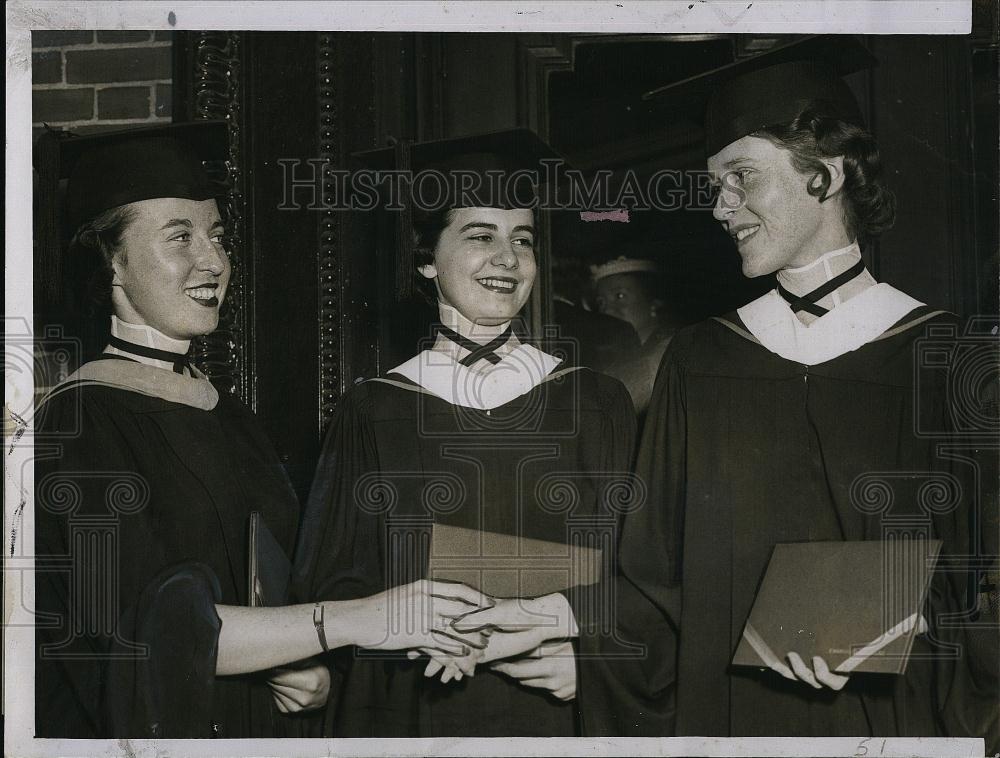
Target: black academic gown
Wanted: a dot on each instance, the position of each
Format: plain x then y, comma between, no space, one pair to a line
595,340
744,449
398,459
141,514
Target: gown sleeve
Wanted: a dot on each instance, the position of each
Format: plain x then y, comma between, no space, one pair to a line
632,674
175,620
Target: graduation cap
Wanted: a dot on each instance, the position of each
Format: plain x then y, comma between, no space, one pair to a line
111,169
502,169
492,170
773,88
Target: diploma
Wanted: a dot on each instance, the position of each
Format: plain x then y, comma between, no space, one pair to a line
507,565
856,604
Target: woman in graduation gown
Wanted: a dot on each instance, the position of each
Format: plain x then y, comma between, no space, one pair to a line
807,415
146,477
480,435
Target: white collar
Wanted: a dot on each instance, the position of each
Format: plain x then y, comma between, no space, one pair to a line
520,371
851,249
454,320
145,336
844,329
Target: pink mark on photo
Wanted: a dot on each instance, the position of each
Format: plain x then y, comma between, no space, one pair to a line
619,215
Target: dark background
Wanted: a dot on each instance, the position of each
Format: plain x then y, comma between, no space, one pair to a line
313,309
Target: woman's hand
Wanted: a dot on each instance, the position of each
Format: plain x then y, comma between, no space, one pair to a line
511,628
451,667
818,676
502,645
549,667
521,624
420,615
300,688
499,646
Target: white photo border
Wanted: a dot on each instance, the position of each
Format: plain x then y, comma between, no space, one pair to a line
606,16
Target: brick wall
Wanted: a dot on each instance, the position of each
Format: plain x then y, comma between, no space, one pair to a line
95,81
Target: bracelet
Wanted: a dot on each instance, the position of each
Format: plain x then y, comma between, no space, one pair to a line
318,612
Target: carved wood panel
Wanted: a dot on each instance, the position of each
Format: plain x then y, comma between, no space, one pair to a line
329,231
211,86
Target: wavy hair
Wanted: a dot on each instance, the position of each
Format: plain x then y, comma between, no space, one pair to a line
91,252
869,205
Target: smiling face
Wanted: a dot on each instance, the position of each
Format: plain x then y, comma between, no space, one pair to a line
173,271
765,207
484,263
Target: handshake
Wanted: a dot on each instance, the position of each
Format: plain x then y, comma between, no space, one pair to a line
527,639
457,627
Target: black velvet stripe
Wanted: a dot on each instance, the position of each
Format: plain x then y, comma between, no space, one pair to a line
477,352
808,301
178,360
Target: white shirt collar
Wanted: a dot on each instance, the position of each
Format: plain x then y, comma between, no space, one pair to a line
852,250
451,318
844,329
146,336
520,371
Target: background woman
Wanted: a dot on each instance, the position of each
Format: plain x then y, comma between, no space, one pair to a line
631,289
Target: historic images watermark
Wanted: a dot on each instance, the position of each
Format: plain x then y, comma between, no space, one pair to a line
956,370
314,184
89,565
409,506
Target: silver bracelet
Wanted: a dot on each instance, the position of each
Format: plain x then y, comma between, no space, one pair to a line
318,612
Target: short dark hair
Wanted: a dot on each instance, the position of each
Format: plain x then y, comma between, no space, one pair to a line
91,252
427,228
869,205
